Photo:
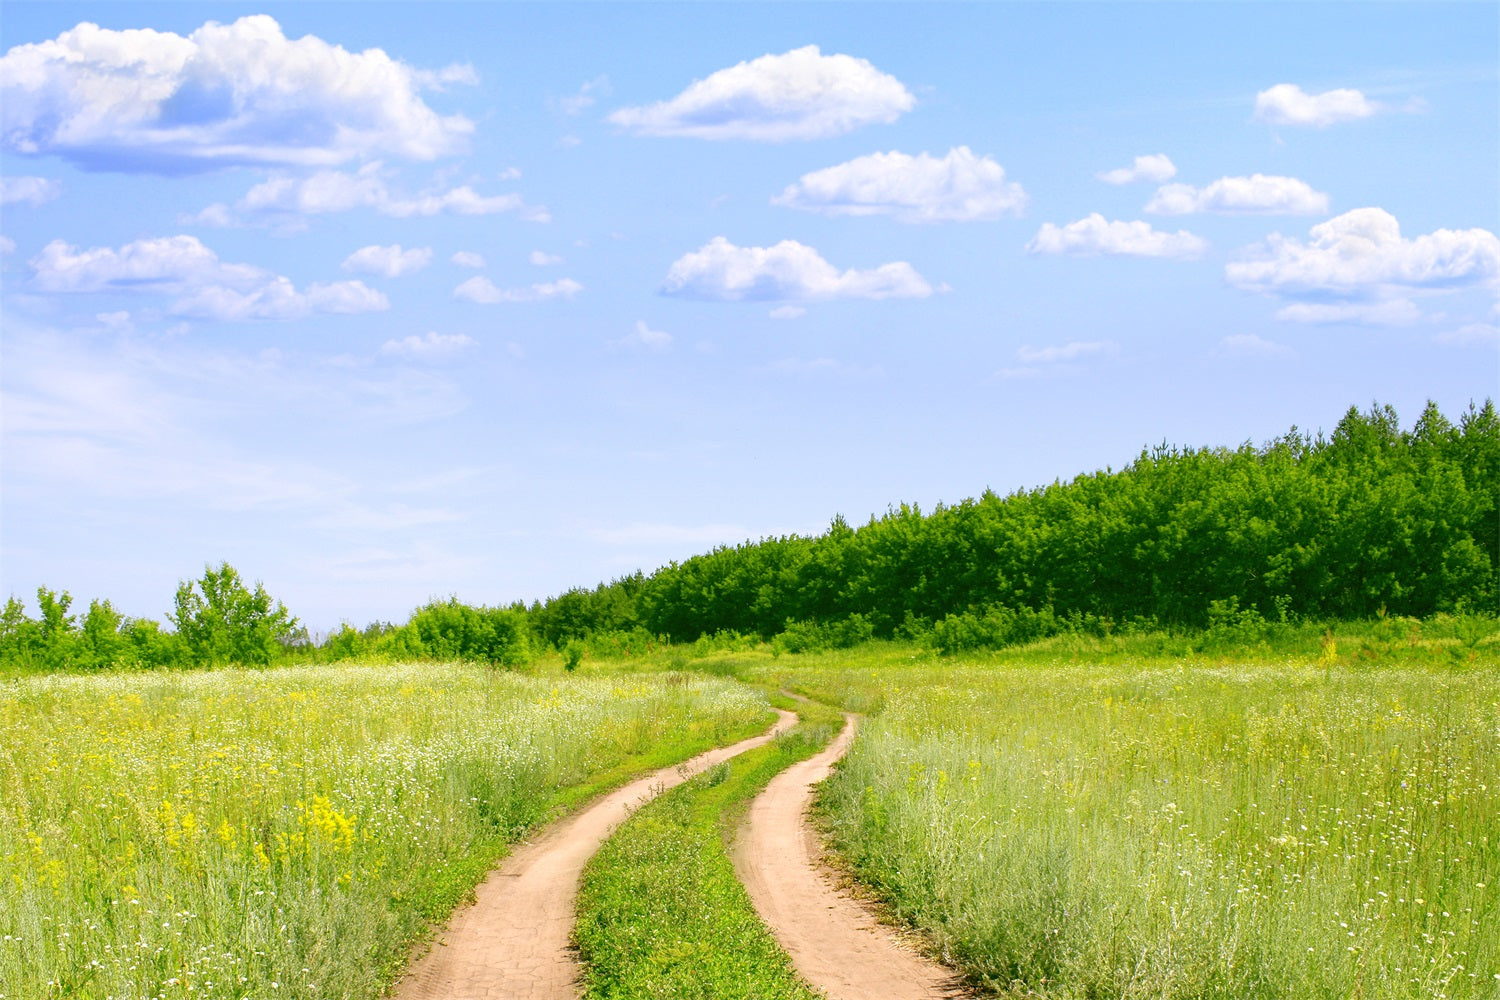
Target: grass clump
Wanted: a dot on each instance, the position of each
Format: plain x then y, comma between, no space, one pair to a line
661,912
291,832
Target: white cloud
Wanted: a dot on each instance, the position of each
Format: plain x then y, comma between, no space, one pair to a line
484,291
1393,312
645,337
467,258
788,271
1362,255
32,190
1095,235
540,259
959,187
1248,345
431,347
330,191
580,102
7,245
1155,167
788,312
1288,104
389,262
1258,194
204,286
237,93
116,322
1071,351
801,94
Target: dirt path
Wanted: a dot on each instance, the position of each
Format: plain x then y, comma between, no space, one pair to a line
513,942
835,942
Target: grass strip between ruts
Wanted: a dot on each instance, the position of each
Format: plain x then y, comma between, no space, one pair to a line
661,913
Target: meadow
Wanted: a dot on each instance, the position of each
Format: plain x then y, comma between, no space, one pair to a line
1177,829
292,832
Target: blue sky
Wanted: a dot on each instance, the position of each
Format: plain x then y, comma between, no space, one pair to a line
386,302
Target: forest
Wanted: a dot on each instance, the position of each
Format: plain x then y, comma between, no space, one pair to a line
1370,520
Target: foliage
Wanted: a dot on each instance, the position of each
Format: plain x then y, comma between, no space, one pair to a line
220,621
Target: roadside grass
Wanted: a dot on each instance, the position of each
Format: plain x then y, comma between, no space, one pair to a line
293,832
1174,830
661,913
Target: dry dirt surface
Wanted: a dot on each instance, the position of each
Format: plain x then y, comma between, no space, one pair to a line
836,943
513,943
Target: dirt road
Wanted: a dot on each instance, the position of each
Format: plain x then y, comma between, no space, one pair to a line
835,942
513,942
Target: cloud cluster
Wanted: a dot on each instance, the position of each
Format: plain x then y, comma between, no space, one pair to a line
1258,194
31,190
241,93
958,187
788,271
1362,255
485,292
1095,235
433,346
1288,104
328,191
388,262
1155,168
203,286
801,94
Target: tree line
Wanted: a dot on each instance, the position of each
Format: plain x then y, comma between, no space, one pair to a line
1371,520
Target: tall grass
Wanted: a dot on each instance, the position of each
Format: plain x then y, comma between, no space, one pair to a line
1283,832
291,832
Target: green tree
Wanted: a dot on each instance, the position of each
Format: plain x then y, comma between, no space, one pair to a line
220,620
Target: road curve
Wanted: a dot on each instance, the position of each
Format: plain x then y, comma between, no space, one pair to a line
513,943
835,942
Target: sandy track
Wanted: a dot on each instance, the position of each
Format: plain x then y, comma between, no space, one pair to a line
513,943
835,942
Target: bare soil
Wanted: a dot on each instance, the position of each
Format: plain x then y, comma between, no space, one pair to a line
513,942
836,942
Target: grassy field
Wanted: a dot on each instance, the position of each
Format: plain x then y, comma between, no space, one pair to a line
291,832
1172,830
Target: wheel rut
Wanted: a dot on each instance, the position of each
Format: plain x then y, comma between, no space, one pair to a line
513,942
836,943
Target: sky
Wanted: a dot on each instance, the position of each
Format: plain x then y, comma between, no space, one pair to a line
382,303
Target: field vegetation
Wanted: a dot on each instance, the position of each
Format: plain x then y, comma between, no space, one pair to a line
1178,829
291,832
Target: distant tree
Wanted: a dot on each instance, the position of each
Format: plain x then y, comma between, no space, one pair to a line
219,620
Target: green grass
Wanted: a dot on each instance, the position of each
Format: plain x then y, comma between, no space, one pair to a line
661,913
1172,831
292,832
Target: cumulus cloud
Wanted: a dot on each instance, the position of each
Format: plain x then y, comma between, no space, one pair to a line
485,292
1288,104
789,271
1094,235
541,259
1362,255
1248,345
587,96
328,191
389,262
959,187
1394,312
203,286
1258,194
1155,168
801,94
241,93
643,337
468,258
7,245
32,190
433,346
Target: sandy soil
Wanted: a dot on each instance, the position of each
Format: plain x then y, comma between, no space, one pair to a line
836,943
513,942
